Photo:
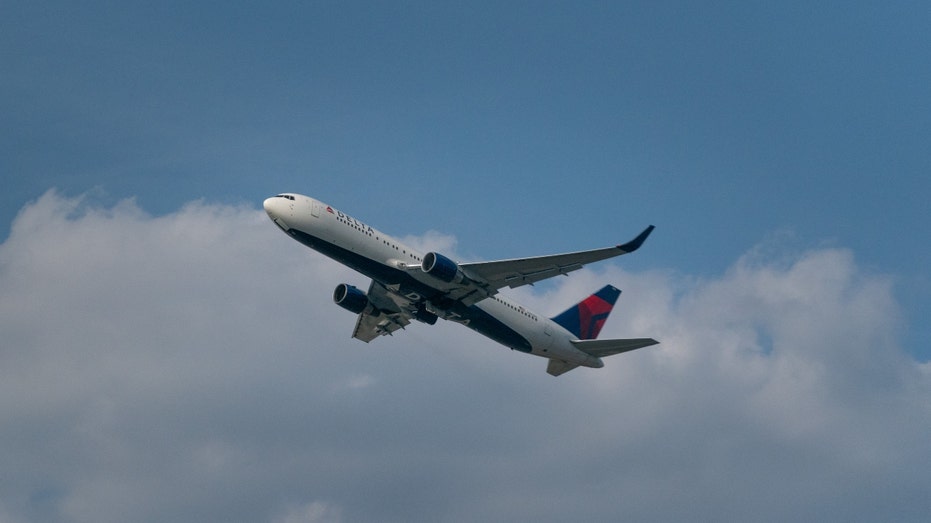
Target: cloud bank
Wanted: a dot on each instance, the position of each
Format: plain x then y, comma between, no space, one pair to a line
191,367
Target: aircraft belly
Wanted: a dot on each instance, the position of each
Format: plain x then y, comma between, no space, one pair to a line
491,327
472,316
502,326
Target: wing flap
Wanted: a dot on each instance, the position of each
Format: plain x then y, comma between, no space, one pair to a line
386,313
517,278
373,323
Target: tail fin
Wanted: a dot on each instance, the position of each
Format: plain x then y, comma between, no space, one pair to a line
585,319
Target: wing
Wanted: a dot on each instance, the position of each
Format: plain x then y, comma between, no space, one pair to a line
522,271
386,312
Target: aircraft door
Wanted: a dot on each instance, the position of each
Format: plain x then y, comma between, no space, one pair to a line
315,208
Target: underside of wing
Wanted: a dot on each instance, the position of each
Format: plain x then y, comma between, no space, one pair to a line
524,271
385,313
373,323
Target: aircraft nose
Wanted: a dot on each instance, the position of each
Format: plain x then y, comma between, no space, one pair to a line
275,207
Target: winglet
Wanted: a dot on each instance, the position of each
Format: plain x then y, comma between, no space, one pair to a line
635,244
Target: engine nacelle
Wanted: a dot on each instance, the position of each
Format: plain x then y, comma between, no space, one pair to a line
440,267
350,298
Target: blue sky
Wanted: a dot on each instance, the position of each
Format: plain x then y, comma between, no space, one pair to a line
761,139
572,125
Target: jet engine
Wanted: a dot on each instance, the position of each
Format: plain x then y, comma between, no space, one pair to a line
441,268
350,298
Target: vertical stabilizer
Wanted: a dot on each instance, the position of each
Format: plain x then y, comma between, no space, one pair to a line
585,319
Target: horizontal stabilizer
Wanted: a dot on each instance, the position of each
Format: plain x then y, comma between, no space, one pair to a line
557,367
602,348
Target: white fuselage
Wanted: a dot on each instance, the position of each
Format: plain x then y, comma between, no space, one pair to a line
398,266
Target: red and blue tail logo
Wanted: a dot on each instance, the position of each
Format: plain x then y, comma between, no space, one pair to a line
586,319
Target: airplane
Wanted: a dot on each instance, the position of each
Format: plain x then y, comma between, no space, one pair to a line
409,285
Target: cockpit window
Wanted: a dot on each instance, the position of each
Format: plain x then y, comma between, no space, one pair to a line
285,196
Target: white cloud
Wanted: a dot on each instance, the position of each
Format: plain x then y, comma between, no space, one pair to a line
192,367
432,241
